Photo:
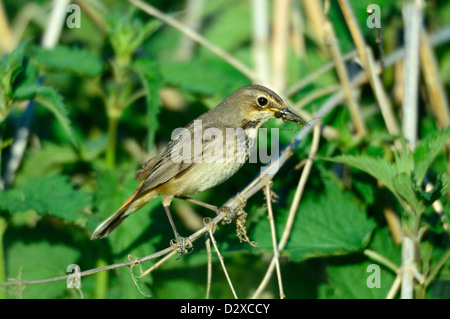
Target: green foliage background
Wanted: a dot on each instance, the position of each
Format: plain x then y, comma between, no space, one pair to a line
102,108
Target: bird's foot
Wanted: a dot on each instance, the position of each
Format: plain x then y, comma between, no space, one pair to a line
183,245
230,214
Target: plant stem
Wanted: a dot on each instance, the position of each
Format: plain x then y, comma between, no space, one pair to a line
113,122
3,226
101,278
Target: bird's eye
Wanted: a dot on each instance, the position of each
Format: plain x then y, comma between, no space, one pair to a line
262,101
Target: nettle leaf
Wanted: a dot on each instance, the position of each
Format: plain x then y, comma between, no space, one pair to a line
404,186
202,77
10,67
49,98
26,260
353,278
52,194
150,78
332,224
74,60
380,169
426,151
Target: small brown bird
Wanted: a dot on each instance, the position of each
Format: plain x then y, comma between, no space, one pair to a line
193,161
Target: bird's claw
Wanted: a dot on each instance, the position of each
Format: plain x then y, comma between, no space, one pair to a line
183,245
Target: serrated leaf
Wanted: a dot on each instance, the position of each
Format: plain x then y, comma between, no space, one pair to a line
70,59
349,278
50,99
150,79
51,158
39,260
404,186
201,77
10,67
53,194
332,224
427,149
378,168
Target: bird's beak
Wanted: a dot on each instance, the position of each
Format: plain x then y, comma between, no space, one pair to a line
288,115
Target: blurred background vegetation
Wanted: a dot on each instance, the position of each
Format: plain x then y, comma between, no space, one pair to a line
82,109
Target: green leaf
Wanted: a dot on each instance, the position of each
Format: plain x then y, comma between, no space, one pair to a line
40,260
50,99
380,169
427,149
51,158
332,224
74,60
10,67
53,194
404,186
150,78
202,77
352,278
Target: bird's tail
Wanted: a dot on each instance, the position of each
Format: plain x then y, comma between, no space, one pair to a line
132,204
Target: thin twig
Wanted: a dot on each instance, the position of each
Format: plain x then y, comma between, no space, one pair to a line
260,39
222,263
434,86
192,19
279,44
276,253
209,267
395,287
293,209
158,263
366,56
238,65
437,268
308,79
381,259
6,39
341,70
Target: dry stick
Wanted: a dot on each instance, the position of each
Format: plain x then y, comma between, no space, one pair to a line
298,31
412,23
341,70
279,44
381,259
157,264
308,79
6,39
50,38
316,94
222,263
87,9
238,65
209,267
293,209
260,40
379,39
276,253
395,287
255,185
366,56
192,20
435,88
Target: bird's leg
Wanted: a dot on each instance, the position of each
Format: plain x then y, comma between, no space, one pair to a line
199,203
180,241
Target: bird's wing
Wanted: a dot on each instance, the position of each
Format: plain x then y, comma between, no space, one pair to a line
170,164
